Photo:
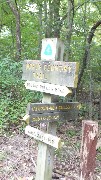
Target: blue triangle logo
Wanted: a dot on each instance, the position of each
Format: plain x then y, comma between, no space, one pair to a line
48,50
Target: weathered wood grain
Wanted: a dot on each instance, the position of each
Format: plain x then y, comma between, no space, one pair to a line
54,72
45,152
88,149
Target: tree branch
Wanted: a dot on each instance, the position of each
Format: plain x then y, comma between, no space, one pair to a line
14,10
92,31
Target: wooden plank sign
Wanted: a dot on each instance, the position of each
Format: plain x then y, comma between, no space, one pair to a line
50,117
47,88
49,139
52,49
54,72
51,112
35,108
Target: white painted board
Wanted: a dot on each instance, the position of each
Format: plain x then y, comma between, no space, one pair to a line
49,139
47,88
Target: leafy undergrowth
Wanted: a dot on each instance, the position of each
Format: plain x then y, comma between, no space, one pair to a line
19,153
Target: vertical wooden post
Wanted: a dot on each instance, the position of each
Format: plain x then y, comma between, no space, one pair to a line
100,106
45,152
51,50
88,149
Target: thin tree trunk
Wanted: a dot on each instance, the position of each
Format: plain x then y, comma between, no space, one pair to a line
100,106
40,31
70,16
56,5
87,50
15,11
13,38
45,19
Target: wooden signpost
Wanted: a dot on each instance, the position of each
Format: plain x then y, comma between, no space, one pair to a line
51,76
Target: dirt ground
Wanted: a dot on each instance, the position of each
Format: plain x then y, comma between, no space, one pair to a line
18,154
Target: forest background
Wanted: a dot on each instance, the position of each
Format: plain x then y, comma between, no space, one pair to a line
23,25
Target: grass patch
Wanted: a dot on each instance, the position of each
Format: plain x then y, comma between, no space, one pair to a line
3,156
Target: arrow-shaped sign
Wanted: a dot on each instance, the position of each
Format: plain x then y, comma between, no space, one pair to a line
49,139
47,88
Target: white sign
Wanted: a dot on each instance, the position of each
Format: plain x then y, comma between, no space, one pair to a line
43,137
47,88
52,49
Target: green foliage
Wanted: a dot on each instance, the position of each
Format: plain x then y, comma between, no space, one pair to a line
71,132
99,149
99,157
3,156
14,96
86,108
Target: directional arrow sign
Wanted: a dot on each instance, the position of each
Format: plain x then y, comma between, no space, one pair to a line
40,108
47,88
43,137
50,112
50,117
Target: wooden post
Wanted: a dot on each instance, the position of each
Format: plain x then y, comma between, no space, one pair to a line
45,152
88,149
50,50
100,106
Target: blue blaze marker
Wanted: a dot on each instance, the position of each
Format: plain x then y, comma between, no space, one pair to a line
48,50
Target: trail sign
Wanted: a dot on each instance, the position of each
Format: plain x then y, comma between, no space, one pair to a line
54,72
52,49
49,139
51,112
50,117
39,108
47,88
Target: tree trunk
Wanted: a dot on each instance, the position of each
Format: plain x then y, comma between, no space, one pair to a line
52,19
40,32
56,5
100,107
70,16
87,50
48,19
16,13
